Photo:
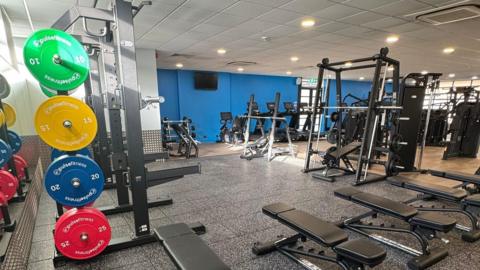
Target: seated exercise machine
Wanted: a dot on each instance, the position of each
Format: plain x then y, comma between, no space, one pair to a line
435,191
349,254
264,145
465,128
226,121
377,106
184,137
422,226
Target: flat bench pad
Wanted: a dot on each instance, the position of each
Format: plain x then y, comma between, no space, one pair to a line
455,194
361,250
377,203
188,251
434,221
464,177
274,209
323,232
473,200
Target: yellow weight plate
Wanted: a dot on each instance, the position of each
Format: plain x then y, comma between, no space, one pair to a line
65,123
2,118
10,114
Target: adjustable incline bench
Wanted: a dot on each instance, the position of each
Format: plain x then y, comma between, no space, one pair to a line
456,195
350,254
332,169
186,249
423,226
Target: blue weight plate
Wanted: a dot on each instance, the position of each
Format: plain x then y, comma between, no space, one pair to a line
74,180
5,153
15,141
57,153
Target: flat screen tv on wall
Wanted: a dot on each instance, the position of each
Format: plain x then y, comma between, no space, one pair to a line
206,80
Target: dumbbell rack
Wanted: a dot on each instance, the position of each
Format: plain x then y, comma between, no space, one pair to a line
121,85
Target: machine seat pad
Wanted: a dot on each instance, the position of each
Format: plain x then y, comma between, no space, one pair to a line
346,192
473,200
347,149
362,251
187,249
434,221
464,177
274,209
440,191
377,203
322,232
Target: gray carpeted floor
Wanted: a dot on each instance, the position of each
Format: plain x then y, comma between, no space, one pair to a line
227,197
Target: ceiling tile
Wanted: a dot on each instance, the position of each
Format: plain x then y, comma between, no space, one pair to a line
226,20
307,6
332,27
362,18
406,27
336,12
384,23
216,5
402,8
209,28
280,16
270,3
368,4
191,14
247,9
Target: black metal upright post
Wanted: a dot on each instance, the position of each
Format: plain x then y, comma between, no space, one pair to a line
338,98
315,111
368,136
128,81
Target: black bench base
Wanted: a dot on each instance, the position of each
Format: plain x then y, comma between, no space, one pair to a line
425,261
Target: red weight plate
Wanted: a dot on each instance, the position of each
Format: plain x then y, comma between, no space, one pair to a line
8,184
70,207
3,202
83,233
20,165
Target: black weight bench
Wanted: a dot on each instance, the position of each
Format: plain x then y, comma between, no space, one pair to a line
350,254
331,159
456,195
186,249
422,225
459,176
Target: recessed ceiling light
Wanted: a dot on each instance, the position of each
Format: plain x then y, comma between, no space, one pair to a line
474,77
448,50
390,68
308,23
179,65
294,59
390,80
391,39
289,73
329,75
221,51
424,72
240,69
451,75
348,64
361,78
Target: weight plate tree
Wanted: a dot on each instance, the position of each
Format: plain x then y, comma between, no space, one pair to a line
65,123
51,93
56,59
10,114
74,180
4,87
82,233
57,153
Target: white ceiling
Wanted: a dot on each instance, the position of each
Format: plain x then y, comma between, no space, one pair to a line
343,30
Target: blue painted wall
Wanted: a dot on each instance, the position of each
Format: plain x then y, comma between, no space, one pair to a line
233,93
204,107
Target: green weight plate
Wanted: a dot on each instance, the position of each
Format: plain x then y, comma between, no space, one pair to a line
51,93
56,59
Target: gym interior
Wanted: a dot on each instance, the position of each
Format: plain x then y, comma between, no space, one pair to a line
239,134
